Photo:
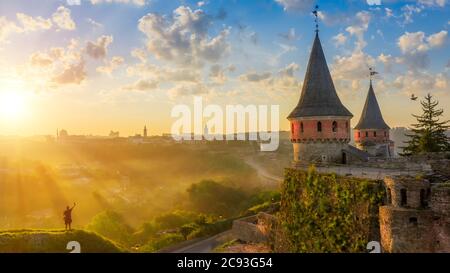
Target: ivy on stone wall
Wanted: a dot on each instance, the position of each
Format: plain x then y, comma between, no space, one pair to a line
326,212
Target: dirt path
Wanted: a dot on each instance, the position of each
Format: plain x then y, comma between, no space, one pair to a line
269,179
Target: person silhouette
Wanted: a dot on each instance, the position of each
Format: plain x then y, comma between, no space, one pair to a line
68,216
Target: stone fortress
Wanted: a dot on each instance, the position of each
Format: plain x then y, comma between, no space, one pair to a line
416,214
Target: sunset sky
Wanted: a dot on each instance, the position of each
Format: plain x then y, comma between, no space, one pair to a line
91,66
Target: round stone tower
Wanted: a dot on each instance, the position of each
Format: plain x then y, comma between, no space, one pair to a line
320,123
406,221
372,133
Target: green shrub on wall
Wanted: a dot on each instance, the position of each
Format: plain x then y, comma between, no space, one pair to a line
326,212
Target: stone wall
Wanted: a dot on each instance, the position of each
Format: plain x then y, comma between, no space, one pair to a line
440,204
319,151
405,230
255,229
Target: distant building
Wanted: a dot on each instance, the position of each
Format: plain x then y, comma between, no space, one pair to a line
145,131
61,133
113,134
205,132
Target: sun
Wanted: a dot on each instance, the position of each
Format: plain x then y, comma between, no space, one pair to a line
12,104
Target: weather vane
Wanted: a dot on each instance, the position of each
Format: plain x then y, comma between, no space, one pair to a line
372,73
316,14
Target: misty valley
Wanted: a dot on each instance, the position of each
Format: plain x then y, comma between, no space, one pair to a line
142,197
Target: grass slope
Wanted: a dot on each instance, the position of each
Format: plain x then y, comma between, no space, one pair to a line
54,241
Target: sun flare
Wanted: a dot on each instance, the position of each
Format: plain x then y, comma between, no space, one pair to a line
12,104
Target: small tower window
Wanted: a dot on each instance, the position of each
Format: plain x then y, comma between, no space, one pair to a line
385,133
367,134
335,126
375,134
403,197
346,125
301,127
423,199
359,134
319,126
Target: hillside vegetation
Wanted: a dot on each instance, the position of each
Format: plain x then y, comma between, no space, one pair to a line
54,241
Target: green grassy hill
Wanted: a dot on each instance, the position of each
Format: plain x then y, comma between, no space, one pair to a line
54,241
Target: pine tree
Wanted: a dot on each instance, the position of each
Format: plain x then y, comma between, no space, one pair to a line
428,134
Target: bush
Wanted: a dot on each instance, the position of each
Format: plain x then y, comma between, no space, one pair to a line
175,219
327,213
211,197
113,226
164,240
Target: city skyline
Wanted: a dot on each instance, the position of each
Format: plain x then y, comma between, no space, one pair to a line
94,66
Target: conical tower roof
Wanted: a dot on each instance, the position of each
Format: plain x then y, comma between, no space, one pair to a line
319,97
371,117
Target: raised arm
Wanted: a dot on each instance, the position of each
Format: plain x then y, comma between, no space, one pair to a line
74,204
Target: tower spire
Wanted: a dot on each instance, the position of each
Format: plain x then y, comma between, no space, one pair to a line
371,117
316,15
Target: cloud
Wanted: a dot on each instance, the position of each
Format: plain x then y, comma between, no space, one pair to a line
373,2
94,23
99,49
183,38
41,59
33,24
389,12
290,35
135,2
296,5
340,39
73,2
414,47
352,67
387,60
163,74
359,28
140,54
72,74
255,77
433,3
254,38
25,23
55,66
419,82
62,18
7,28
142,85
289,70
437,39
181,90
217,73
408,12
112,65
